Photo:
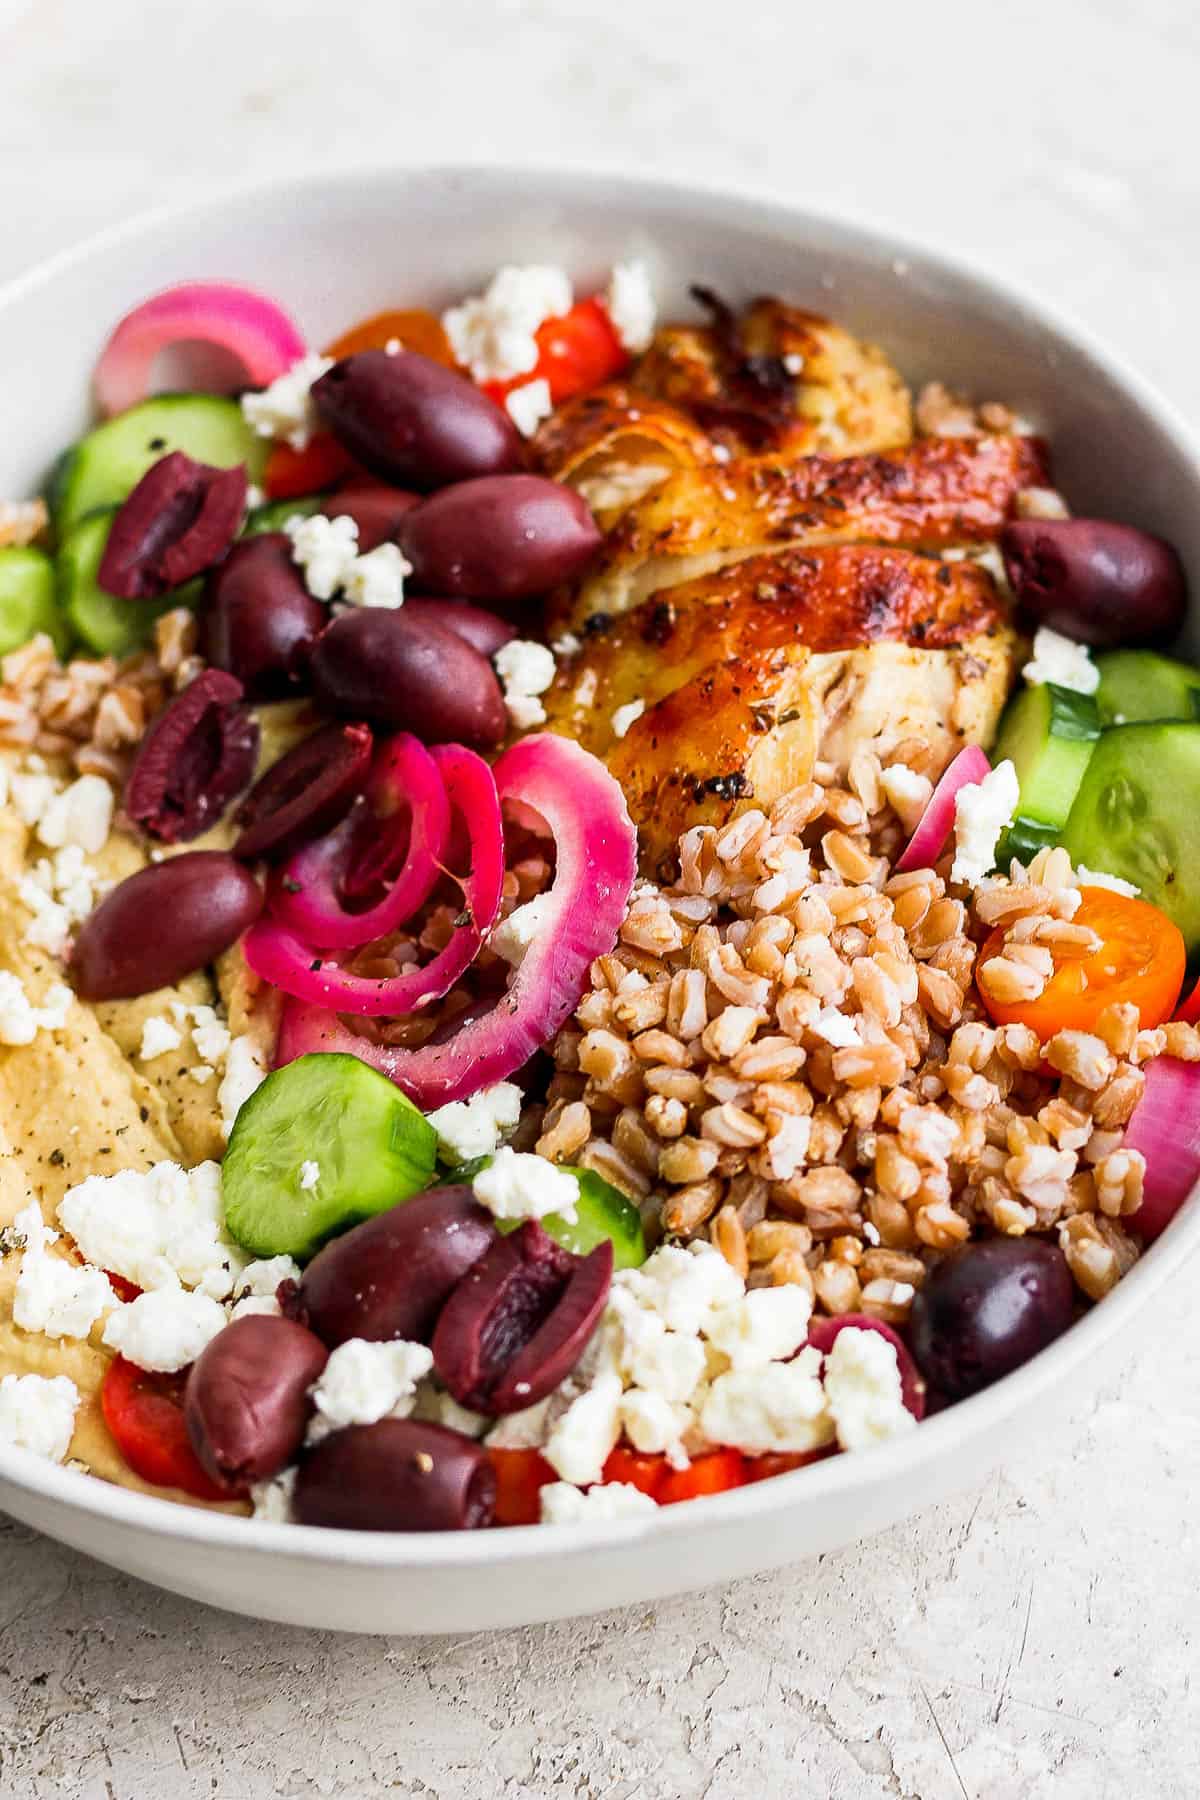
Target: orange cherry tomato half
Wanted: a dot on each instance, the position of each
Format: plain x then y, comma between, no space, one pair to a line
416,330
575,353
290,473
144,1412
1141,959
520,1477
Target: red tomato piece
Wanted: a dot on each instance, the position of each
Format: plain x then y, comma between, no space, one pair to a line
575,352
124,1290
291,473
636,1469
1189,1011
520,1477
713,1473
144,1412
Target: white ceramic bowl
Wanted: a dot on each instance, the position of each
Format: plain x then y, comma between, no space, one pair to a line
333,249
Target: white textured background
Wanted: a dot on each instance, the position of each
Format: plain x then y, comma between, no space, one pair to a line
1034,1639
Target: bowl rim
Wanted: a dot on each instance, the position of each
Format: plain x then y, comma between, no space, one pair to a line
747,205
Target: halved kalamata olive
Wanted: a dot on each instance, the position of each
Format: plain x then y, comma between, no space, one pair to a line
375,509
305,793
1096,581
246,1401
519,1320
401,671
413,421
259,618
390,1276
159,925
199,753
396,1475
503,537
487,631
179,519
986,1309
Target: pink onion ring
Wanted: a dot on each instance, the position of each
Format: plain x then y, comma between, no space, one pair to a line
291,964
406,783
596,861
1165,1127
937,821
257,332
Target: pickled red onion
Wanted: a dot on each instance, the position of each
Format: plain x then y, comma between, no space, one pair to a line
290,963
1165,1127
937,821
595,864
252,328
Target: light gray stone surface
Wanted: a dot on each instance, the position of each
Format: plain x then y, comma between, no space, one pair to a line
1033,1639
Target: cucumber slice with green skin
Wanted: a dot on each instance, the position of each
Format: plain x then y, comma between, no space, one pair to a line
27,602
107,624
1136,816
276,513
1049,733
1023,839
601,1212
1138,685
105,466
371,1146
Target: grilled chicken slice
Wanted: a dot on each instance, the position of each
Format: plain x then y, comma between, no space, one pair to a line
930,494
747,676
614,444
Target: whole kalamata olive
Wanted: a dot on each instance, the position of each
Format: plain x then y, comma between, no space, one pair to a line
1093,580
396,1475
390,1276
397,670
305,793
986,1309
413,421
487,631
159,925
504,537
179,519
246,1402
259,618
196,757
376,510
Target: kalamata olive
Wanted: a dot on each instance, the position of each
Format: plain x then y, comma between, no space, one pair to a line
375,509
179,519
259,618
400,671
519,1320
823,1335
986,1309
1096,581
246,1402
196,757
413,421
390,1276
396,1475
504,537
159,925
305,793
487,631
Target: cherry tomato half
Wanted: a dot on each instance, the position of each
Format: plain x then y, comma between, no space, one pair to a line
520,1477
415,329
144,1412
575,353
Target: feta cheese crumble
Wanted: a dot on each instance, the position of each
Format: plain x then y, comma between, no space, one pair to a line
285,410
863,1391
37,1413
244,1074
272,1500
528,405
157,1227
310,1175
526,670
158,1036
983,810
627,715
765,1325
780,1406
53,1295
562,1504
630,304
326,550
81,815
512,937
470,1128
263,1277
164,1330
520,1186
492,334
1097,878
60,892
1061,660
20,1020
377,578
364,1381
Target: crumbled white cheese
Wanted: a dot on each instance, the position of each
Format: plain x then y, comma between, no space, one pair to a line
439,1408
158,1036
53,1295
1061,660
20,1020
156,1227
786,1151
285,410
470,1128
310,1175
983,810
244,1074
630,304
685,1287
201,1072
655,1425
31,794
262,1278
518,1186
765,1325
210,1034
364,1381
1097,878
272,1500
255,496
37,1413
80,815
579,1442
567,645
862,1390
563,1504
528,405
377,578
256,1305
60,892
627,715
326,550
526,669
908,793
512,937
780,1406
164,1330
493,333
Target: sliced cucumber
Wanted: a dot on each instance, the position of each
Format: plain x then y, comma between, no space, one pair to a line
106,465
27,602
369,1144
1136,816
601,1211
1138,685
107,624
1048,733
276,513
